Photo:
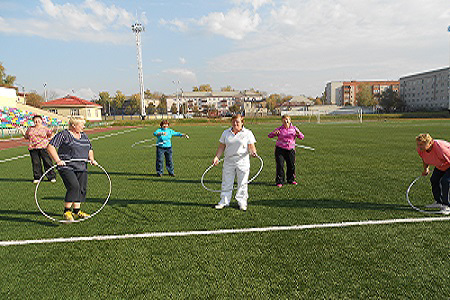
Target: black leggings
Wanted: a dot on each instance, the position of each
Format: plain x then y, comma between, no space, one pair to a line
75,183
282,155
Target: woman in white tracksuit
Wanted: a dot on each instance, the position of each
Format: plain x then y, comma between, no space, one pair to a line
236,143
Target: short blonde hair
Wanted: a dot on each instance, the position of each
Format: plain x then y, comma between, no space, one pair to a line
424,138
73,120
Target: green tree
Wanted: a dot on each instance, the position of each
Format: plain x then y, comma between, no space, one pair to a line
134,104
151,109
364,96
390,100
228,88
162,106
318,101
118,101
195,89
205,88
33,99
234,109
104,99
6,80
173,108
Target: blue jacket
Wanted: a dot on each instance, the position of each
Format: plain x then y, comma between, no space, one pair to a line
164,140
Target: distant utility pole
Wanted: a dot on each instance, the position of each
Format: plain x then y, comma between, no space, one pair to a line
137,29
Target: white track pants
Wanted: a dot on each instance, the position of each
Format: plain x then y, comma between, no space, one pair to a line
239,167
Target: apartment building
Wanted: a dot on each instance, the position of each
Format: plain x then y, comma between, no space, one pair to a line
427,90
220,101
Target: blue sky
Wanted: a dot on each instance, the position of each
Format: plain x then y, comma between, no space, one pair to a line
277,46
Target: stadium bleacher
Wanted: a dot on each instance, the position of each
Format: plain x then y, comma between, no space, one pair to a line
12,117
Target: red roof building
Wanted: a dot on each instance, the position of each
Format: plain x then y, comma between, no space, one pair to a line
74,106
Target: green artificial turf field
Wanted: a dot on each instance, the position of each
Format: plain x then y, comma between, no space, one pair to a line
358,172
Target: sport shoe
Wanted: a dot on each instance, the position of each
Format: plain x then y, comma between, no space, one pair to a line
82,215
279,185
219,206
243,207
434,205
172,175
159,175
68,216
53,180
36,181
445,210
294,182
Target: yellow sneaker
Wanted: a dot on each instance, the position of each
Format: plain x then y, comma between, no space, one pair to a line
68,216
82,215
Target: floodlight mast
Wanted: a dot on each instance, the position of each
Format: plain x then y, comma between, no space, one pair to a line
137,29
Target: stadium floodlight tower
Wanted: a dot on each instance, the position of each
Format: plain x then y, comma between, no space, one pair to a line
137,29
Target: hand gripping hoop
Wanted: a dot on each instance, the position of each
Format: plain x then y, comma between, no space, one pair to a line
416,208
79,220
234,188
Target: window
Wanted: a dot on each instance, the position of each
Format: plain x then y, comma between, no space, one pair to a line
74,111
53,110
88,112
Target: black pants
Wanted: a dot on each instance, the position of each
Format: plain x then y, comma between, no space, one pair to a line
282,155
75,183
440,181
36,156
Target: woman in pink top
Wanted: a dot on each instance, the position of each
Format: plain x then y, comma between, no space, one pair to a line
436,153
39,136
285,150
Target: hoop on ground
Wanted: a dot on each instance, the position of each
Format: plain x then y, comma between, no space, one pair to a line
234,188
78,220
412,205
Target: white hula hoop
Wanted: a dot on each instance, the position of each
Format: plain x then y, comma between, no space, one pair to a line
78,220
414,207
234,188
141,142
305,147
300,146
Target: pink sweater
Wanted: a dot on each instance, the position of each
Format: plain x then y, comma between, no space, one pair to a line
439,155
286,138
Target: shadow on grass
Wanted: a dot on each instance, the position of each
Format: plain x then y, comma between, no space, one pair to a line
16,180
327,203
126,202
20,216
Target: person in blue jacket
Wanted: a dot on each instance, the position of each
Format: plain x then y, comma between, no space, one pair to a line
164,147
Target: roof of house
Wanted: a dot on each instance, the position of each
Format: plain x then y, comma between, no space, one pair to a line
69,101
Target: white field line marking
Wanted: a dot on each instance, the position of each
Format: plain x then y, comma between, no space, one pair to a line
14,158
220,231
93,139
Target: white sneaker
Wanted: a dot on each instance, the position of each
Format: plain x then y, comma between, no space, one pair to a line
243,208
219,206
445,210
434,205
35,181
53,180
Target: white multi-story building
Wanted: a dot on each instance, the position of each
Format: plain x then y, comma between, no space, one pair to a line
426,91
220,101
334,93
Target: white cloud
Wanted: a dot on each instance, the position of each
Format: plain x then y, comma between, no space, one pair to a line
91,21
341,40
175,25
182,60
235,24
256,4
183,73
